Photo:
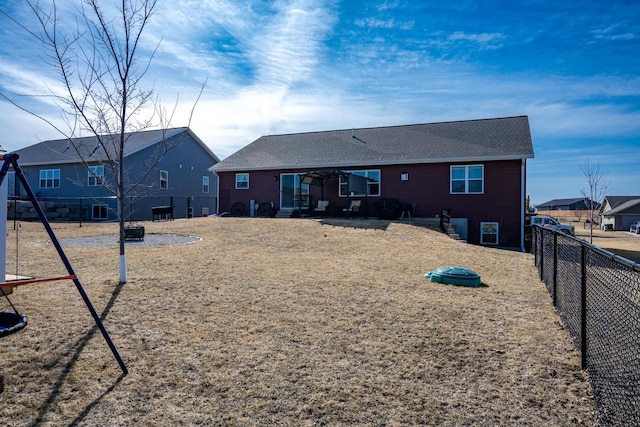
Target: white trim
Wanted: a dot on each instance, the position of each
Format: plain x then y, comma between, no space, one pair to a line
165,180
523,198
99,179
466,179
247,181
208,184
354,171
47,179
497,233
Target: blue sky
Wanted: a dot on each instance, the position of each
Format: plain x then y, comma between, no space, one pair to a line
306,65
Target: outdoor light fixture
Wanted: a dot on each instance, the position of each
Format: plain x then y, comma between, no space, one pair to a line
404,176
275,177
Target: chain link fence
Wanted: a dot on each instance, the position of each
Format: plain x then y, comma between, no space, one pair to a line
597,295
81,209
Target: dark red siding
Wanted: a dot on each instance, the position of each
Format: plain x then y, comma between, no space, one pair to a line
428,187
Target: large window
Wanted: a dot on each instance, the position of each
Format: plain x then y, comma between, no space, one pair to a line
489,233
373,183
242,181
50,178
205,184
164,179
467,179
95,175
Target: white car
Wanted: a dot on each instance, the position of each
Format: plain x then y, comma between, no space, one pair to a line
547,221
635,227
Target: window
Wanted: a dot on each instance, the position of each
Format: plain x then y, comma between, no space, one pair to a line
164,179
95,175
242,181
205,184
50,178
373,183
99,211
467,179
489,233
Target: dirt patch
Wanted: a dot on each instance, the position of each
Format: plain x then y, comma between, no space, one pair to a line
287,322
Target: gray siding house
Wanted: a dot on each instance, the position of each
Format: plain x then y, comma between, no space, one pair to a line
620,211
169,168
474,169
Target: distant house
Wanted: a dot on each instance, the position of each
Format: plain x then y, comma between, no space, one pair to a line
620,211
474,169
171,166
579,203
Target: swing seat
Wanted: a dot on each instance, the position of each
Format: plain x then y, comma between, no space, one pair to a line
11,323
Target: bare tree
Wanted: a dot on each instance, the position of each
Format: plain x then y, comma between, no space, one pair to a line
100,65
597,188
578,213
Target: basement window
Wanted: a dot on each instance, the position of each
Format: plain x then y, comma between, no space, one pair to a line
489,233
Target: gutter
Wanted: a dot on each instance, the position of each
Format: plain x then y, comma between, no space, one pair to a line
217,191
362,163
523,190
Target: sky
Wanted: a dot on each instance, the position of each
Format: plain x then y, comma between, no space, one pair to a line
286,66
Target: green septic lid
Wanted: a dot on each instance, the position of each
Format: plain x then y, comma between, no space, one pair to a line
457,272
454,276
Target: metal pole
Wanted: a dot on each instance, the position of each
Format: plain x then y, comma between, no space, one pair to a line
555,268
541,243
583,304
13,158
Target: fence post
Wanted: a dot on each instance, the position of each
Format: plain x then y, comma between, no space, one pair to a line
583,310
555,269
540,235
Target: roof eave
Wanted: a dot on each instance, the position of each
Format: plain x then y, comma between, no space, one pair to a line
353,164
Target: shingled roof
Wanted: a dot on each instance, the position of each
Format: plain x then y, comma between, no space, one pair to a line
61,150
472,140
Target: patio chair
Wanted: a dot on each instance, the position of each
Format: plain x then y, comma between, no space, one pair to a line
353,209
322,208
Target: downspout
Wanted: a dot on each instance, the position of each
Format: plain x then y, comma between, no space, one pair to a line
215,174
523,196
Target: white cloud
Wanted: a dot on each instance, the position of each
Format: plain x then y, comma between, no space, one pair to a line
486,40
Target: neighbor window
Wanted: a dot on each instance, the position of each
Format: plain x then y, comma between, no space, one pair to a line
373,183
467,179
205,184
489,233
50,178
242,181
99,211
96,175
164,179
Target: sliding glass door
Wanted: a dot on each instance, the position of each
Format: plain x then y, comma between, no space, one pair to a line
290,192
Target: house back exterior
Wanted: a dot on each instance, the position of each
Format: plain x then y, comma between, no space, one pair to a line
475,170
170,167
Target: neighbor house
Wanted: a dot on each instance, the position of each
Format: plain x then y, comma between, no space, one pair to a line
169,166
474,170
619,211
575,204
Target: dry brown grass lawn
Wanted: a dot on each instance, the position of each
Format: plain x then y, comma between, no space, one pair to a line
621,243
288,322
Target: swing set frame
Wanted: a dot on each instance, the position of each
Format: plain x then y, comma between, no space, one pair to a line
11,160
